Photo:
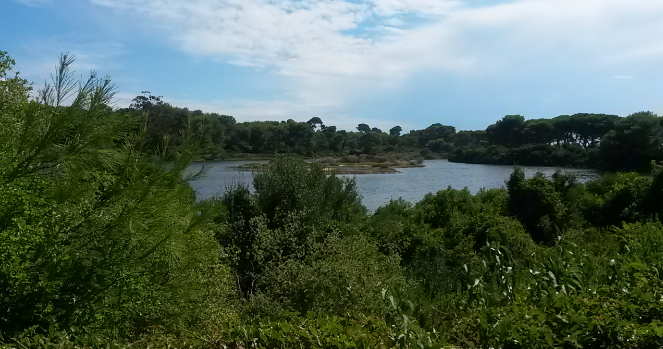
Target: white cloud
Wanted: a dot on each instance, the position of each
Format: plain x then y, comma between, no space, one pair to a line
292,37
339,49
297,107
421,7
311,37
394,22
260,33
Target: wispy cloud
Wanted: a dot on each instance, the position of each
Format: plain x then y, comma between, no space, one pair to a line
313,37
34,3
338,49
420,7
292,37
298,107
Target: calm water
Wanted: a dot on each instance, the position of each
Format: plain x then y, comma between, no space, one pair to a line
377,189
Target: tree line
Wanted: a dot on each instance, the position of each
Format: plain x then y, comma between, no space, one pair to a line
602,141
221,136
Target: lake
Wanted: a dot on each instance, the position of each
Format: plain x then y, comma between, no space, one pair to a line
412,184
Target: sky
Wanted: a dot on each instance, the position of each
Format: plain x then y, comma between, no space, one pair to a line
412,63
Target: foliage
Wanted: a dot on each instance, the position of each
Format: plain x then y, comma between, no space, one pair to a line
633,143
505,132
537,205
289,185
292,245
102,243
95,234
580,140
337,276
600,141
623,197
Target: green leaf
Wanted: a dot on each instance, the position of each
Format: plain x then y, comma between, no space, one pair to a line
549,338
412,306
393,302
659,331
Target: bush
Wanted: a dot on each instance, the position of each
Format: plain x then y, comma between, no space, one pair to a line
615,198
645,240
93,232
337,276
288,185
281,237
537,205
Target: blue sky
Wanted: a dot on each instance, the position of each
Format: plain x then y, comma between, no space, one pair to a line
381,62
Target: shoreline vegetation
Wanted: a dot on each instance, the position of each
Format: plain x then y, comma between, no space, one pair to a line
584,140
104,245
357,165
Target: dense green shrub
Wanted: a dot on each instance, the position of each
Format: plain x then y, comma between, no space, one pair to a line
95,234
337,276
615,198
537,205
290,185
293,246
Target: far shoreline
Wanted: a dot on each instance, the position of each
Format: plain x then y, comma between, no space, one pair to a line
348,168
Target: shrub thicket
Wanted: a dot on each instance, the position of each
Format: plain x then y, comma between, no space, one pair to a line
95,234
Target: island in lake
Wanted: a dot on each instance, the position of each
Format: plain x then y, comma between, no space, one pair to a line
335,165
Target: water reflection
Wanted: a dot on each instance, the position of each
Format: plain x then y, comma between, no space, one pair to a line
377,189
